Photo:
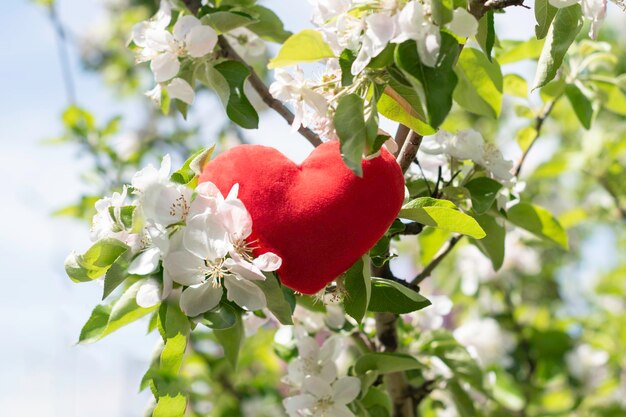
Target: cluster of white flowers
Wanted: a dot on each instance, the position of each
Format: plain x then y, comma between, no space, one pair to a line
165,49
199,235
314,375
366,27
465,145
593,10
588,365
486,341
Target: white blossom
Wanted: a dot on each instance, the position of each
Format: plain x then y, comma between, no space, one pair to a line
431,317
162,200
314,360
463,23
213,254
296,90
587,364
321,399
181,90
485,340
107,222
415,24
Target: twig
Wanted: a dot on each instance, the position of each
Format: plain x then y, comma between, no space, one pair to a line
435,262
257,83
409,150
501,4
539,121
412,229
61,39
401,135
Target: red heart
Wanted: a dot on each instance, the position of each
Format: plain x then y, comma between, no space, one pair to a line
319,217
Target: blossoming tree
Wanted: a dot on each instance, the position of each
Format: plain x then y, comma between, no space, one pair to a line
405,272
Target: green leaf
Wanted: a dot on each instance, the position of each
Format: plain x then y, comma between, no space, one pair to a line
393,297
514,51
172,354
462,401
479,89
238,109
346,59
442,214
544,14
486,35
436,84
96,261
268,25
430,241
106,319
222,317
386,363
375,398
207,75
194,165
442,11
358,286
117,273
492,245
223,21
483,192
515,85
538,221
168,406
616,101
305,46
350,126
567,23
581,104
276,299
442,344
231,340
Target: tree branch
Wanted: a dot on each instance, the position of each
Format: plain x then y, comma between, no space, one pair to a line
409,150
257,83
64,57
386,333
401,135
435,262
539,121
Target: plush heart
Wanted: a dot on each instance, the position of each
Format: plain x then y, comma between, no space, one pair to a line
319,217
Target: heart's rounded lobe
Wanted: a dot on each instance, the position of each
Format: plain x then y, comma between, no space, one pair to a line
319,217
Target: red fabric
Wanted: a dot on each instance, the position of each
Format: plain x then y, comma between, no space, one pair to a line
318,217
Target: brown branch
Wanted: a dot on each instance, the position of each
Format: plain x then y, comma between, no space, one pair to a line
539,121
257,83
435,262
479,7
259,86
409,150
401,135
397,385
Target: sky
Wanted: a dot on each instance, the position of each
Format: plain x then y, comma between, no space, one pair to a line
42,372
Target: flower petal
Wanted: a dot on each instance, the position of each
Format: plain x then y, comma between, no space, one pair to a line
244,293
181,90
184,267
298,402
236,219
463,23
268,262
183,25
346,389
317,387
200,41
200,298
149,293
146,262
165,67
206,237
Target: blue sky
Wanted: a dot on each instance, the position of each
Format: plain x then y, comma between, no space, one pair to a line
41,311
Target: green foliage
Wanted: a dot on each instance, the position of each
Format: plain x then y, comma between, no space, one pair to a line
279,299
358,285
442,214
385,363
435,85
483,192
238,109
96,261
392,297
538,221
305,46
480,83
231,340
566,25
351,129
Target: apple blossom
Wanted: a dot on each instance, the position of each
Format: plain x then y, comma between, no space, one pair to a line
485,339
593,10
314,360
323,399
